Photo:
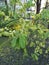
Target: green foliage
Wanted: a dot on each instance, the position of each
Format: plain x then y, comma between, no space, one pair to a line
45,14
34,56
13,42
20,41
20,31
24,33
14,1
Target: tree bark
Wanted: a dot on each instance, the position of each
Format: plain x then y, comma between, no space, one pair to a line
38,4
14,7
6,3
6,7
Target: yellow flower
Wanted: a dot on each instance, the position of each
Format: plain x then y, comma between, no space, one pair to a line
33,17
18,27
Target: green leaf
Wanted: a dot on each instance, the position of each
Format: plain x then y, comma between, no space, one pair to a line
13,42
34,56
32,44
46,35
22,41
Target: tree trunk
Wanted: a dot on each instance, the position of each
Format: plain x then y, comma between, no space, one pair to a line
38,6
6,3
6,7
14,7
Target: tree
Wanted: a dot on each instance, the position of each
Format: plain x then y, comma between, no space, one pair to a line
6,4
38,3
